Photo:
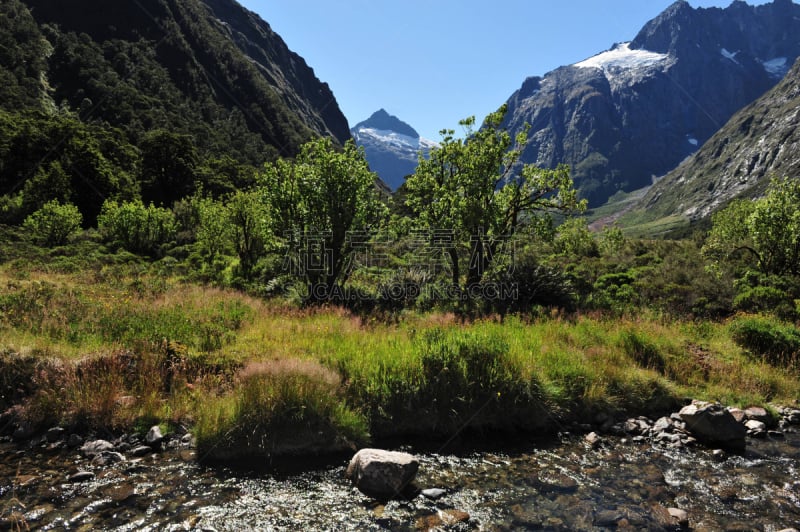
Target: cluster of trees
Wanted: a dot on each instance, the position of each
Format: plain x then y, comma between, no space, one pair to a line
464,232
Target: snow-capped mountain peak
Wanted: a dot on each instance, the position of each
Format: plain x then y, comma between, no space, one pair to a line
392,147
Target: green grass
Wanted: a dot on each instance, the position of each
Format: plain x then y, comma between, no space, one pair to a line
108,350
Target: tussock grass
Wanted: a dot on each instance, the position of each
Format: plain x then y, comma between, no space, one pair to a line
280,407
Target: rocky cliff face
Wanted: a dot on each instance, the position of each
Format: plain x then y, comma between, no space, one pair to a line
760,141
391,146
636,111
283,69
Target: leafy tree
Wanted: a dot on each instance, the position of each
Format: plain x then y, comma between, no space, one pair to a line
248,225
318,204
767,230
138,228
54,223
169,167
471,188
574,238
214,232
612,240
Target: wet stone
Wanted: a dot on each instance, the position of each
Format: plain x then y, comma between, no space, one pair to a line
96,447
593,439
433,493
141,450
120,492
608,518
553,482
54,434
443,518
680,516
81,476
154,437
107,458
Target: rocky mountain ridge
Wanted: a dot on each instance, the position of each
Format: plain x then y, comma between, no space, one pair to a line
634,112
760,142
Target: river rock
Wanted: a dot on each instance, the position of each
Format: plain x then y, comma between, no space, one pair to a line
141,450
608,518
551,481
755,427
380,474
107,458
433,493
738,414
662,424
758,414
636,426
443,519
81,476
54,434
93,448
74,440
712,423
153,438
680,516
593,439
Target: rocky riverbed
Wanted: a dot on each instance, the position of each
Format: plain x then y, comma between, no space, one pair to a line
628,475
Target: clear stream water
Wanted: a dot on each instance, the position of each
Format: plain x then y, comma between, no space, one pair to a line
561,485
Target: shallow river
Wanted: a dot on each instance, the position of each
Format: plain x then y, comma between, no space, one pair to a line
557,486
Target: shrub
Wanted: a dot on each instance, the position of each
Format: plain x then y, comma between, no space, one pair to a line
137,228
281,407
54,223
614,291
777,343
469,381
534,285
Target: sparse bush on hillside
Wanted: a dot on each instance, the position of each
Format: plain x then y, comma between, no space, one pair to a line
775,342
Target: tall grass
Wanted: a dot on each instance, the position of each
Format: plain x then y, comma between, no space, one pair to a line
280,407
115,352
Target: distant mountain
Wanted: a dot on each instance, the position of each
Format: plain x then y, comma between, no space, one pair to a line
636,111
391,146
760,141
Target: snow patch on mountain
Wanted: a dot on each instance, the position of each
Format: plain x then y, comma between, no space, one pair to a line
729,55
621,56
393,139
777,67
623,66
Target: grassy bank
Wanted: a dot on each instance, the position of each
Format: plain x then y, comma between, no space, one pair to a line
115,350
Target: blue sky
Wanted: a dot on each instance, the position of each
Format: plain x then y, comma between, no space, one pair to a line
434,62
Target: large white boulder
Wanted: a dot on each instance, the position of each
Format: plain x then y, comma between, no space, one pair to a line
380,474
